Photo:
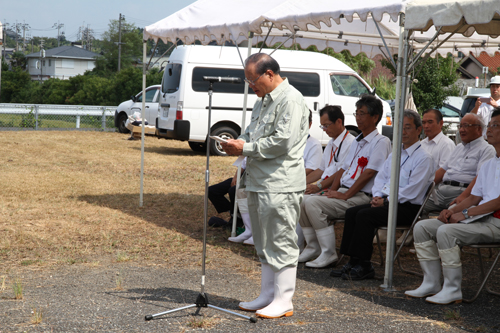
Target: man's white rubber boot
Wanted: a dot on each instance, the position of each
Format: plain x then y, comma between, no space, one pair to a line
245,234
312,249
431,284
284,288
266,291
326,239
428,256
452,273
249,241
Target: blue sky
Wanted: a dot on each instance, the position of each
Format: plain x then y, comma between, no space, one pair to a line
41,16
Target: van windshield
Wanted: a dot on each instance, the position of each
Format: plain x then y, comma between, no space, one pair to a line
171,78
347,85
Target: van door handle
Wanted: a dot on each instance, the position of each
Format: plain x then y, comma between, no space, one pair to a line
165,105
316,106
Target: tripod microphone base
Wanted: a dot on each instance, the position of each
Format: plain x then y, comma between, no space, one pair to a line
201,302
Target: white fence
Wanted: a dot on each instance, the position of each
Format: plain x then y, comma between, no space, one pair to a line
39,116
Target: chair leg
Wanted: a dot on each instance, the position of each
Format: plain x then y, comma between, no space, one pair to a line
382,260
484,277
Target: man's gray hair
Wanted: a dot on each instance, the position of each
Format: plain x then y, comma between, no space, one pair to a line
413,115
479,120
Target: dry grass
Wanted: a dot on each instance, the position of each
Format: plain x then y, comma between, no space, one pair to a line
73,198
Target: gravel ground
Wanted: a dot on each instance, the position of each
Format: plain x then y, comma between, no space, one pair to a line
116,298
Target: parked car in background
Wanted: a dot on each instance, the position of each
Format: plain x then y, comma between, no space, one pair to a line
134,104
470,99
451,116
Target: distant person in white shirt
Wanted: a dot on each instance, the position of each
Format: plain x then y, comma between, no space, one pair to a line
436,143
442,238
485,108
312,152
463,164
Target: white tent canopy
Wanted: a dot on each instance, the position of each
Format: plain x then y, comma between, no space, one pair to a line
319,20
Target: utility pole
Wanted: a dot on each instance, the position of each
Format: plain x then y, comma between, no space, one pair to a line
25,27
58,26
42,55
120,39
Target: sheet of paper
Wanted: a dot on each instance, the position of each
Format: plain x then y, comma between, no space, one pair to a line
474,218
217,138
239,161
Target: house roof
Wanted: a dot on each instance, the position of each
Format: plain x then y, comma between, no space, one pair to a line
491,62
65,52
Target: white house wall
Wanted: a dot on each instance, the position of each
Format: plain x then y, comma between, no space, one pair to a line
60,68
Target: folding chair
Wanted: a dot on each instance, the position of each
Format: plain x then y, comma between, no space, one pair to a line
484,277
409,228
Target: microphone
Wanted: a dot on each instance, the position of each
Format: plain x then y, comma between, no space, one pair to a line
222,79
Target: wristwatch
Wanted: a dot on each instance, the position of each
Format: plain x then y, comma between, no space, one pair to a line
466,213
318,184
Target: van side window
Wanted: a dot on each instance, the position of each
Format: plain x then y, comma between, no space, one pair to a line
306,83
347,85
171,78
150,94
221,87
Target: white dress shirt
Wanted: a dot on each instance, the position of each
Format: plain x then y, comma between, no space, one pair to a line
440,149
465,160
312,153
414,177
375,147
488,181
485,110
335,154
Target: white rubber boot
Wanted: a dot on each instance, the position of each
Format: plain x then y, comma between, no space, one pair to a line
245,234
382,235
428,257
266,291
452,272
408,240
284,288
312,249
249,241
326,239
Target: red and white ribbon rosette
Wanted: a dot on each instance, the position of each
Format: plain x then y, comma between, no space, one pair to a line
362,162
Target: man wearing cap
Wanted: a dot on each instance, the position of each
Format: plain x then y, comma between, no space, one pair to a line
484,109
462,166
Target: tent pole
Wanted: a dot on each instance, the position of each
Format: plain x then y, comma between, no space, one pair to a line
144,43
243,118
396,154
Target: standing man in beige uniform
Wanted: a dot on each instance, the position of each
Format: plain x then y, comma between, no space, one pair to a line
274,181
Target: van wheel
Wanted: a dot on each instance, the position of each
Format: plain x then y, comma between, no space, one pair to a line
225,133
122,119
197,146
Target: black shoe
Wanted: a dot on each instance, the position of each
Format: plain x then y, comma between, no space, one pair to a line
338,272
217,222
359,272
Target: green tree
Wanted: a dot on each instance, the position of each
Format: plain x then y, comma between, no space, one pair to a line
13,83
18,60
131,49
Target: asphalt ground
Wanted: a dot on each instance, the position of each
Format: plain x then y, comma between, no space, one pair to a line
117,297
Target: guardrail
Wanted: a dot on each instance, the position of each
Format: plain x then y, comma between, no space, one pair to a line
45,116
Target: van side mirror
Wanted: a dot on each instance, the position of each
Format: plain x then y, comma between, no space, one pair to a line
374,91
133,98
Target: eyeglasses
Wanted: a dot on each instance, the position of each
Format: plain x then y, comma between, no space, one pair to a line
324,127
494,126
408,128
467,126
252,82
360,114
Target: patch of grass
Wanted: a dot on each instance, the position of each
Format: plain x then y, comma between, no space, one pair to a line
36,316
452,315
2,286
17,287
119,280
201,322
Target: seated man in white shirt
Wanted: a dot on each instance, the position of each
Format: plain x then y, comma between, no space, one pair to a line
463,164
441,238
332,122
485,108
436,143
351,186
416,175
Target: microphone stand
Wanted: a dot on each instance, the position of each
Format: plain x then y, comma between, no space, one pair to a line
202,299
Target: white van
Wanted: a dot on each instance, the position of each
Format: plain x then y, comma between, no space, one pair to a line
183,106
